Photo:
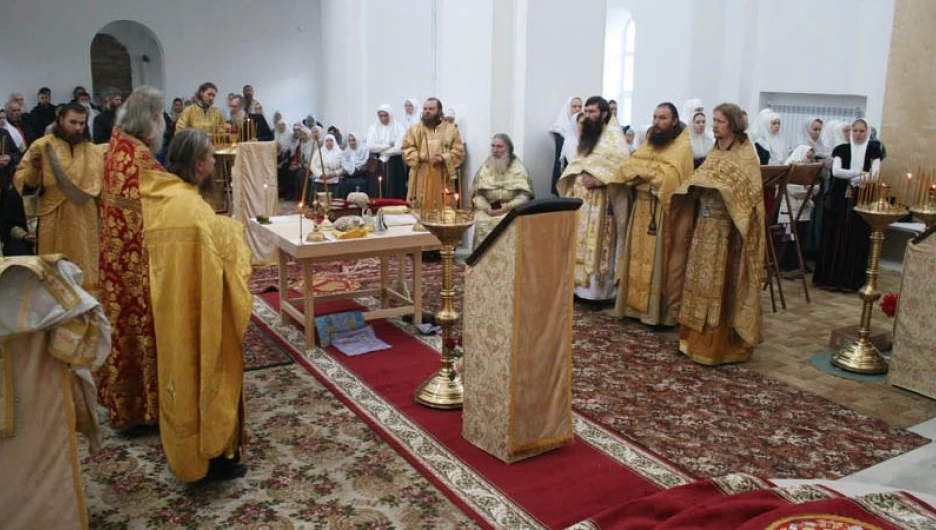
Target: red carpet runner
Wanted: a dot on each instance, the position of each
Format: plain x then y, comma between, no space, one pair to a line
554,490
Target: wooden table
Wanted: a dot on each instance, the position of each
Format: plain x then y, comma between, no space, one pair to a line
397,241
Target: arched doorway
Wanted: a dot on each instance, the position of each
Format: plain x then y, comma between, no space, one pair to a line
110,66
125,54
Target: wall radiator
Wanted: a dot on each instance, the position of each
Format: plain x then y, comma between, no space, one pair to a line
793,118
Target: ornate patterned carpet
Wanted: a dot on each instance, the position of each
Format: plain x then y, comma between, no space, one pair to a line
312,464
708,421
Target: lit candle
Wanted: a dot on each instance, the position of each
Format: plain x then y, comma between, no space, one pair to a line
301,215
266,199
380,186
458,202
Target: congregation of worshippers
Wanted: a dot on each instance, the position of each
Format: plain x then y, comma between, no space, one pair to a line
671,230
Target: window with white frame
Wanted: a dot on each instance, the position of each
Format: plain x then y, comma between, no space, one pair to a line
618,81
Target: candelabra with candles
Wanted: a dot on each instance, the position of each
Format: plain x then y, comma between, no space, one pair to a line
441,212
880,202
922,197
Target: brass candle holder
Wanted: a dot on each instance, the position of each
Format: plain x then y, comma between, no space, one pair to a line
861,356
444,390
925,214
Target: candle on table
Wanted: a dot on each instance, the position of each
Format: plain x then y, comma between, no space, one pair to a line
301,215
458,204
380,186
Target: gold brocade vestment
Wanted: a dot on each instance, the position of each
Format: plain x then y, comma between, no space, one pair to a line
596,238
66,226
511,189
199,268
650,176
717,255
208,120
419,145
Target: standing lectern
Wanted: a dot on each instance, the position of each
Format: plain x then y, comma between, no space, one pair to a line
518,332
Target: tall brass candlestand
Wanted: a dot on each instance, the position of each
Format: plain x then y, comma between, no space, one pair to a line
861,356
444,390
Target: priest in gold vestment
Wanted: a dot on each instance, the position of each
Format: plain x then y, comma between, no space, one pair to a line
649,177
597,164
717,252
203,115
501,184
432,148
67,169
199,268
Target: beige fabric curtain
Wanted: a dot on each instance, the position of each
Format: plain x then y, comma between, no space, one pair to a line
255,193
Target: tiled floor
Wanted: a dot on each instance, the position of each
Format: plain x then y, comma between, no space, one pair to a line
792,337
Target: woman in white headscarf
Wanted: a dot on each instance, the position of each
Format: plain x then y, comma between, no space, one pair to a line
385,142
411,113
326,166
771,147
563,128
354,166
812,135
843,255
285,145
836,133
630,138
570,145
690,108
699,138
283,136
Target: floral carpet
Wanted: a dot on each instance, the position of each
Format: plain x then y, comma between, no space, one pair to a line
261,351
312,464
708,421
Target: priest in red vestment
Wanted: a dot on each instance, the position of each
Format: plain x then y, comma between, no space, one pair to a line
127,382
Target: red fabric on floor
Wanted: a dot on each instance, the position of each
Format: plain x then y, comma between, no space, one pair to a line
558,488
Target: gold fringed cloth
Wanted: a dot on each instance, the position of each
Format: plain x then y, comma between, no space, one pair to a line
649,178
52,334
596,237
717,257
518,340
254,190
199,267
913,365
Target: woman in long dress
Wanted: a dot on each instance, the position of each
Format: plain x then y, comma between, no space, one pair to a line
844,247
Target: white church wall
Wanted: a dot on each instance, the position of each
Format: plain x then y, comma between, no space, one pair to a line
465,73
733,50
230,42
829,47
375,53
564,56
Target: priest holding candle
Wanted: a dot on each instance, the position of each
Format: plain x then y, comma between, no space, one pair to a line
433,150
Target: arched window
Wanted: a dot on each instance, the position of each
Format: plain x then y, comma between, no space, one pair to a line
620,39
